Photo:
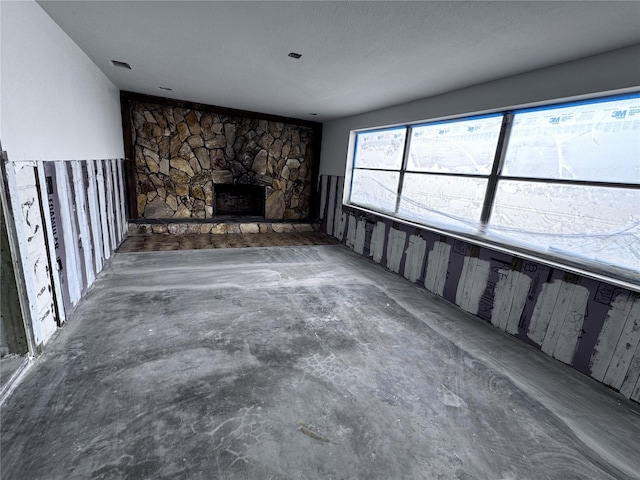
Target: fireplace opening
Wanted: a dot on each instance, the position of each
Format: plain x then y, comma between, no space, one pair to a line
239,200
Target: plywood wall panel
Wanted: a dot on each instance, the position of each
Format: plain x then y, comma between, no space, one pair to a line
395,249
94,216
510,297
33,248
83,222
437,268
414,261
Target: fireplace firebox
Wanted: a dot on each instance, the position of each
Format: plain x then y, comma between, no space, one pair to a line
239,200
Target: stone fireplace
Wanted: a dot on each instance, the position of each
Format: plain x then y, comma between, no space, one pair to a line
199,162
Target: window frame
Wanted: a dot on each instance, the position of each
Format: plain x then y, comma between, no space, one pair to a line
627,278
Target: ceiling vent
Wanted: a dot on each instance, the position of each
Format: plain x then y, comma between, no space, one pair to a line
118,64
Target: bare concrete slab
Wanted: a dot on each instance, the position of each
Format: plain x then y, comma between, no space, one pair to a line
300,363
8,366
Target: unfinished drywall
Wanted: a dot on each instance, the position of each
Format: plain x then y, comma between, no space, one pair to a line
614,70
85,220
28,216
68,222
54,226
587,324
56,104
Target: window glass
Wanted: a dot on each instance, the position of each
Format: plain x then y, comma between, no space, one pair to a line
598,224
375,189
594,141
557,191
460,146
443,200
381,149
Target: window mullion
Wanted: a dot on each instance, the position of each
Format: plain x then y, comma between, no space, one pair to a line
492,185
403,168
565,181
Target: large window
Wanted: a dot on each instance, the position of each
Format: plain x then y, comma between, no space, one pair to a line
562,180
376,168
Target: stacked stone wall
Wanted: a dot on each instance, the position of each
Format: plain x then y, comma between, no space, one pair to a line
182,154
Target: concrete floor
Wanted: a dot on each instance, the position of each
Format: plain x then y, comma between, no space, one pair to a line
299,363
8,366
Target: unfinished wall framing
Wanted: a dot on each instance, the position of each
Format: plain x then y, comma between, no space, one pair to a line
16,334
588,324
69,219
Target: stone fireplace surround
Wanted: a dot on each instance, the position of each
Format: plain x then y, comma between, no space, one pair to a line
187,155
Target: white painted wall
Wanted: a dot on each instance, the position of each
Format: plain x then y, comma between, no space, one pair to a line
55,104
616,70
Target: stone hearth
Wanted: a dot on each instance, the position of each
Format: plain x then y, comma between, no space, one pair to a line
176,227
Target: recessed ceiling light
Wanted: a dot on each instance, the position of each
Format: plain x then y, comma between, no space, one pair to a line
119,64
295,55
165,88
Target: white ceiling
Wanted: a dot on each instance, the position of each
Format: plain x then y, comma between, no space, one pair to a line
356,56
